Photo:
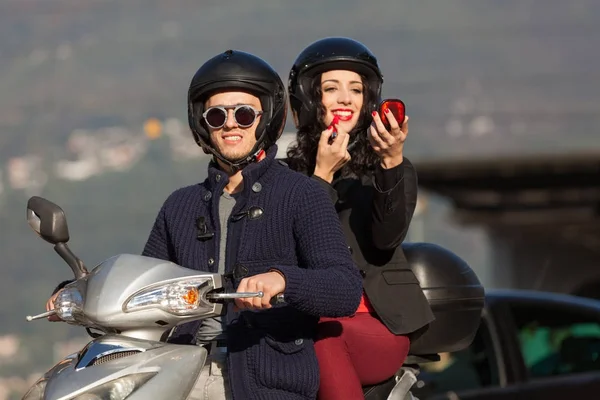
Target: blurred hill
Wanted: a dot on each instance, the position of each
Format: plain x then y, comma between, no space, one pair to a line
478,76
481,76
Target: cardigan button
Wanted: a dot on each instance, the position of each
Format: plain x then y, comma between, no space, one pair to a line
240,271
207,196
256,187
211,261
218,178
255,212
298,342
363,273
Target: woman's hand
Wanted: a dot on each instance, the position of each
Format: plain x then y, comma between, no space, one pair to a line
389,146
331,156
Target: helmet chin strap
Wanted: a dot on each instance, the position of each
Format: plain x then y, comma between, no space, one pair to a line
240,164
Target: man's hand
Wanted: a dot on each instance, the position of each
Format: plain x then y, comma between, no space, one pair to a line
270,283
50,306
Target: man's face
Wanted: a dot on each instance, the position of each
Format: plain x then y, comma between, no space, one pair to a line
236,137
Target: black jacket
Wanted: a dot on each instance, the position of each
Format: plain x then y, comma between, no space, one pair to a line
375,212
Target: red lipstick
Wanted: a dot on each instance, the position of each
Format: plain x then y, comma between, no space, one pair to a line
336,119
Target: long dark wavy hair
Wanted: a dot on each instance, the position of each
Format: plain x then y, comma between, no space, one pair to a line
302,156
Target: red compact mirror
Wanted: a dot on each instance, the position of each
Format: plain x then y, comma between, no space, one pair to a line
397,108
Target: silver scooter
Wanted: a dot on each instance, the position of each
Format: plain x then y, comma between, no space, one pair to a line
134,301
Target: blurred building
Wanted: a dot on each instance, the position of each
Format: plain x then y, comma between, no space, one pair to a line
541,213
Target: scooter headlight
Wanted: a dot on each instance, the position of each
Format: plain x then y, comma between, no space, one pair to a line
180,297
118,389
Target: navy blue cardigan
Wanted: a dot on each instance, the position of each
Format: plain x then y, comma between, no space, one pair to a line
271,353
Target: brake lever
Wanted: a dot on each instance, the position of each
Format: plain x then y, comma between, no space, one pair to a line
42,315
279,299
233,296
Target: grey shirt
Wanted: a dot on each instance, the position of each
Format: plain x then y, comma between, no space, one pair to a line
212,328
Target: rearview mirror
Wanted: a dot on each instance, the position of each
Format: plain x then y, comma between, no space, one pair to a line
47,220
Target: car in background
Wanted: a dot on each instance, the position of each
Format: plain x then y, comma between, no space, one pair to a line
529,345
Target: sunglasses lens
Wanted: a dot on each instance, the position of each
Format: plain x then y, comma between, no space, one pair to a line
216,117
245,116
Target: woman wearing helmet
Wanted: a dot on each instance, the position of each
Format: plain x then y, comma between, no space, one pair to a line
335,86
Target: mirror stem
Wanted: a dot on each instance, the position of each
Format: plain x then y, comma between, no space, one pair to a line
71,259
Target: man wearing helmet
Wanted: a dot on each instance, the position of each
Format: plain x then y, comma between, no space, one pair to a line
266,227
335,84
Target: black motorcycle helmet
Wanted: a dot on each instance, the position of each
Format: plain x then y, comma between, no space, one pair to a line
235,69
325,55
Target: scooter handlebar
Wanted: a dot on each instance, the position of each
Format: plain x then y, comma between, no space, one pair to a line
275,300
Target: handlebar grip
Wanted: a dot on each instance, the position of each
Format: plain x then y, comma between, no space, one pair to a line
276,300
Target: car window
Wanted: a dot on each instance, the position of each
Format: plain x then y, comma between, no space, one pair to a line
472,368
557,341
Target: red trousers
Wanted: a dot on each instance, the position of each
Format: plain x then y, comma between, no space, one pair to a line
356,351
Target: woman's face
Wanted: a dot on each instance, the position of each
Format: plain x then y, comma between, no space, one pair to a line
342,95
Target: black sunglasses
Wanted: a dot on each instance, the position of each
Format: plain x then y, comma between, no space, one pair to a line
244,115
